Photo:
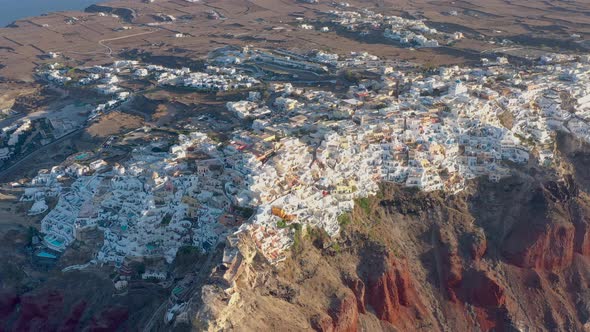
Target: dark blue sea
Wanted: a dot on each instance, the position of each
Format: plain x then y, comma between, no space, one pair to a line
16,9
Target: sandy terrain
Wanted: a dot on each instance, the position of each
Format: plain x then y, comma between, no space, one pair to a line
114,123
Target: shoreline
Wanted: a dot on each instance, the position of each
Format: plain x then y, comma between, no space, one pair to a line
6,24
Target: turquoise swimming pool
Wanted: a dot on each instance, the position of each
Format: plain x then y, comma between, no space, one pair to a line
45,254
81,156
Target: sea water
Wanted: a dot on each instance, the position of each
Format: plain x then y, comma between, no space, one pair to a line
12,10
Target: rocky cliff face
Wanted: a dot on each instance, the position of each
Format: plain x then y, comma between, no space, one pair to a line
77,302
392,295
505,256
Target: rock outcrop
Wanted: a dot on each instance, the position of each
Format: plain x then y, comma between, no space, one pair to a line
8,302
85,304
345,314
392,295
582,236
545,241
128,14
545,247
358,288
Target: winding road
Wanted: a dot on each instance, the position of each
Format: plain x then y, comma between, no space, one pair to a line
109,50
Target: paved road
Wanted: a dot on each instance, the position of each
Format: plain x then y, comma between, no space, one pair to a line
501,50
11,119
109,51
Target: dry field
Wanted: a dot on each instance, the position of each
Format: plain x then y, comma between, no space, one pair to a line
94,38
114,123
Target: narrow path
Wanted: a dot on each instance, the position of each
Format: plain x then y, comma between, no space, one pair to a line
109,50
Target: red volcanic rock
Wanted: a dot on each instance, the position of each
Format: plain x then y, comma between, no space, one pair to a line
358,288
345,315
452,274
450,263
37,311
481,290
109,320
545,247
8,303
323,323
477,246
490,320
393,296
469,287
582,238
73,319
487,298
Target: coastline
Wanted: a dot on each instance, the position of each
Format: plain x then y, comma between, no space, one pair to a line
35,8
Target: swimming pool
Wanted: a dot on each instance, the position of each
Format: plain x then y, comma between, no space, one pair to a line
81,156
45,254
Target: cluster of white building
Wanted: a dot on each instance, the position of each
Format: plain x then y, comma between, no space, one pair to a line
407,32
104,79
15,131
215,82
107,80
55,73
324,57
443,129
308,155
12,135
212,79
148,206
248,109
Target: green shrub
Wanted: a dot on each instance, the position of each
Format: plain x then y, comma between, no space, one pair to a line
297,237
166,219
337,247
282,223
365,204
344,219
